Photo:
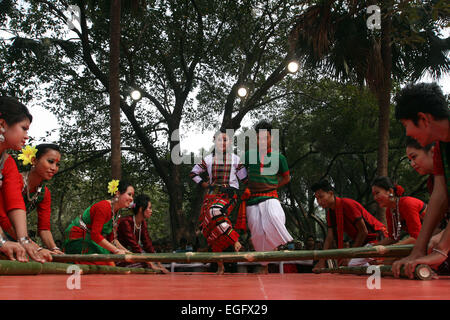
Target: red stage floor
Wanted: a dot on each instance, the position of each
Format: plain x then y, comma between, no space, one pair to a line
207,286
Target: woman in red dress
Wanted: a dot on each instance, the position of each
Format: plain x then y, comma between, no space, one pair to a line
45,164
133,232
95,230
15,120
404,215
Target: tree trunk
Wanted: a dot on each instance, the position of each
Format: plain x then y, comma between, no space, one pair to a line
384,96
114,89
178,220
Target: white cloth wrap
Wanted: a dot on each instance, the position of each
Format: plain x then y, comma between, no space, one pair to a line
266,222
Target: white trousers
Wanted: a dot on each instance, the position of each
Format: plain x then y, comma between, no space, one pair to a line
266,223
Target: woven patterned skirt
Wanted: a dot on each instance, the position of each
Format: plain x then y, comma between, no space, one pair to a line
214,222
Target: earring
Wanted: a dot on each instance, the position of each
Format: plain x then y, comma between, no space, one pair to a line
2,137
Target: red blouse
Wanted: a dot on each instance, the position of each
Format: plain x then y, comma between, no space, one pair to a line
411,216
100,214
44,211
351,211
129,238
10,191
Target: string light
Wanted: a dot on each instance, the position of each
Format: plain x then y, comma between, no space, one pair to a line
293,66
242,92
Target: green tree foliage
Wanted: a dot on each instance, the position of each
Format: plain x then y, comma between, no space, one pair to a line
188,59
170,51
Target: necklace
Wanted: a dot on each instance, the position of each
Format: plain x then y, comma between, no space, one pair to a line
27,188
2,163
139,228
115,218
397,225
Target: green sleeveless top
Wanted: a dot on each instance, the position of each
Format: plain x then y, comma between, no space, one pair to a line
86,217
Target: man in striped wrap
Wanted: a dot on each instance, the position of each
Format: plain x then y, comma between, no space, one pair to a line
224,170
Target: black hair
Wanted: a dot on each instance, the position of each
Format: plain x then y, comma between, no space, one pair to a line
383,182
220,131
12,111
123,186
44,148
141,201
322,185
412,143
386,183
263,125
421,97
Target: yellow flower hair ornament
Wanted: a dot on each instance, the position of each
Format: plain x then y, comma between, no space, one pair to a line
113,186
27,155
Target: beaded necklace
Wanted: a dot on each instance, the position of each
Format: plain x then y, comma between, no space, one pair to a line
396,225
115,219
27,189
139,228
2,163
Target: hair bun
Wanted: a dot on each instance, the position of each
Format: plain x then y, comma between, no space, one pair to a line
398,190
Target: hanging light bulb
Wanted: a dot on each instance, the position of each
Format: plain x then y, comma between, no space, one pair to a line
136,95
293,66
242,92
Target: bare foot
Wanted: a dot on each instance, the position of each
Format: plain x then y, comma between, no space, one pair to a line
220,268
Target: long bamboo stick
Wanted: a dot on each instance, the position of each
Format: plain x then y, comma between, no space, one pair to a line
422,271
8,267
286,255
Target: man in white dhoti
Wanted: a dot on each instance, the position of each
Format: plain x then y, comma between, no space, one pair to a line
267,172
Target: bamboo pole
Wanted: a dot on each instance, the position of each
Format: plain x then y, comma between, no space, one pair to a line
8,267
422,271
205,257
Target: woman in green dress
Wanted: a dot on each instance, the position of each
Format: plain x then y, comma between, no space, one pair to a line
95,231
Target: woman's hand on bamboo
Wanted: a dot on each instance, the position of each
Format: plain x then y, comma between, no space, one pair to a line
33,251
121,251
56,251
14,251
45,253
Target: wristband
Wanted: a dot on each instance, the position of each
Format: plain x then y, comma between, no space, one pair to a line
24,240
2,241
